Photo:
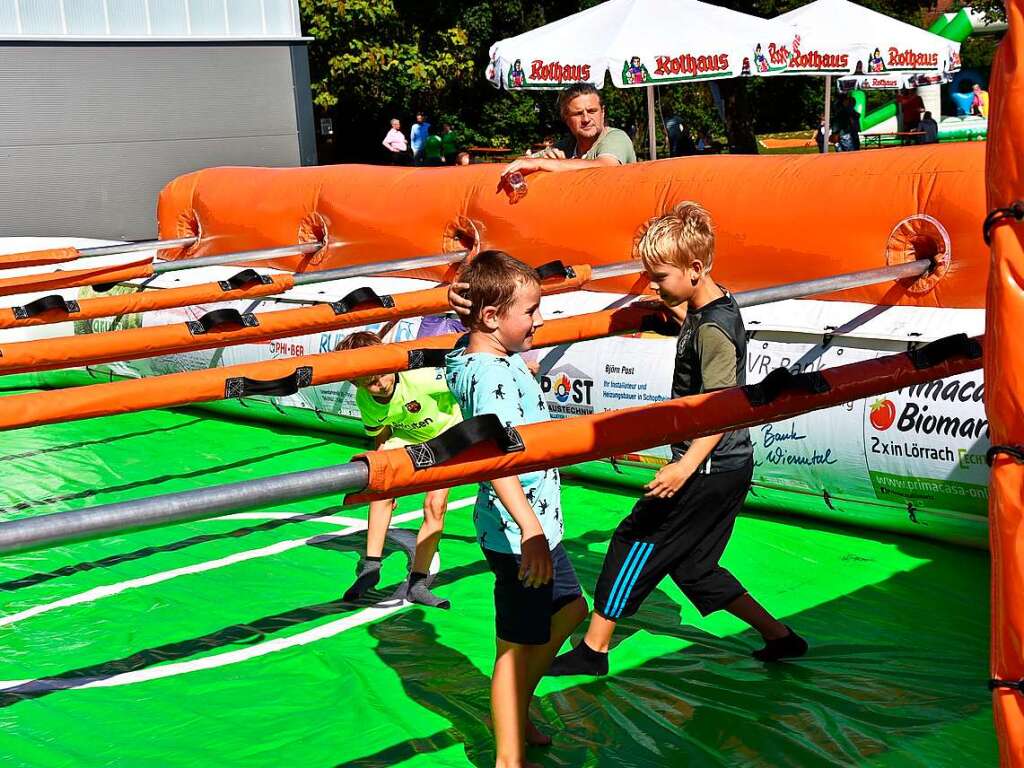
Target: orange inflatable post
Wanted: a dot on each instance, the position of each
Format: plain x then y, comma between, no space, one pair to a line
612,433
283,376
56,310
1004,376
55,281
38,258
226,327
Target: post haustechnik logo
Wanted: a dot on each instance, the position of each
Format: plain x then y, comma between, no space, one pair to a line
569,391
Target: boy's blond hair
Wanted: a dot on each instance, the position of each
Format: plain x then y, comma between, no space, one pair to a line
494,279
683,235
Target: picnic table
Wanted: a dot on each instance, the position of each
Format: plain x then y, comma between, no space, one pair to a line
903,137
491,153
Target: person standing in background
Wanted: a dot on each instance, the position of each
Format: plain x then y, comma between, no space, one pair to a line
449,144
395,143
980,104
433,148
911,107
418,137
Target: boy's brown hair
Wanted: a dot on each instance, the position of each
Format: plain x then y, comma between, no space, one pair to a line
358,340
679,237
494,279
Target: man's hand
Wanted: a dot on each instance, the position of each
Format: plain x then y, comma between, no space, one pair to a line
550,153
535,567
670,478
457,301
525,166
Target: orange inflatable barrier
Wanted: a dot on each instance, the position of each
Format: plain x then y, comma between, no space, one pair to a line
802,217
1004,398
614,433
227,327
38,258
58,310
284,376
54,281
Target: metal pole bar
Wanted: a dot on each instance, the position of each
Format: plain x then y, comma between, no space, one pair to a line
617,269
145,245
651,125
65,527
398,265
833,283
231,258
828,110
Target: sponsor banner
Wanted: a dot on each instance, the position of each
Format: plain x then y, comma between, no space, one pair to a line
811,453
933,438
527,73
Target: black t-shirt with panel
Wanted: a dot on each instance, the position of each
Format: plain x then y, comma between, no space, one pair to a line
711,353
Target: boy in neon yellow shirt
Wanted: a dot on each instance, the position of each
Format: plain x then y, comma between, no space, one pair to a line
397,410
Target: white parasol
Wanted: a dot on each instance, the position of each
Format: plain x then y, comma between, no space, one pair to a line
639,43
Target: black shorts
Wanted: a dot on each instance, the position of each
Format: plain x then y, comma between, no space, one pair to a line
682,536
523,614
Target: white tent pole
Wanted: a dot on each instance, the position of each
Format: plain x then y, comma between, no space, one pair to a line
828,109
651,132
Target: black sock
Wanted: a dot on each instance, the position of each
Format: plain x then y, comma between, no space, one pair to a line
789,647
420,593
367,577
581,660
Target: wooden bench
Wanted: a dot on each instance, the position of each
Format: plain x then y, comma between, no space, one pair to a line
902,137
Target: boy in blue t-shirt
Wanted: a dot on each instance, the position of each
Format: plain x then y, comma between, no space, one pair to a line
537,597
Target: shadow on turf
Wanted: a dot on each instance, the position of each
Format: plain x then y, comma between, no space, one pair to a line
100,441
34,579
882,673
87,493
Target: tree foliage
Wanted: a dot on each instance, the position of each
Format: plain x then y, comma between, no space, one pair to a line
372,60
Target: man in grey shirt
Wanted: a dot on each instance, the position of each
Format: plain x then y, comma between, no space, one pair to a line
591,143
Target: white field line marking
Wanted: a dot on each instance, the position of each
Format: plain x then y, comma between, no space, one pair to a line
329,519
365,616
99,593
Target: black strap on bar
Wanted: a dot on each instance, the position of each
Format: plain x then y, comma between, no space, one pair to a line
784,380
555,269
1013,685
1013,212
45,304
244,278
103,287
242,386
218,317
427,358
940,350
359,299
1015,452
461,437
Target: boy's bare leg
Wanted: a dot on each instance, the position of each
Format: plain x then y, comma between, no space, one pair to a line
749,610
508,692
563,624
434,507
368,573
599,633
780,642
377,526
